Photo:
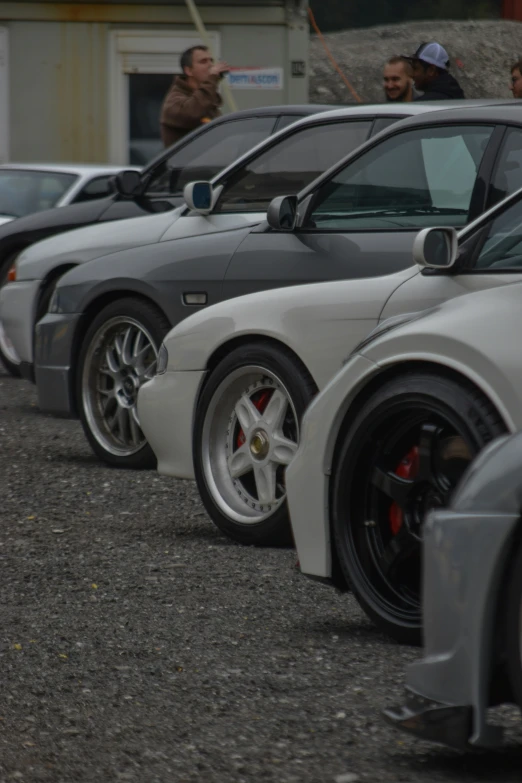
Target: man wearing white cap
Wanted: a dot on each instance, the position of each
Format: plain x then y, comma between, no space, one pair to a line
430,65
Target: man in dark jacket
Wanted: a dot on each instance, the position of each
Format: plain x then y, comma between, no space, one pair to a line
193,98
430,65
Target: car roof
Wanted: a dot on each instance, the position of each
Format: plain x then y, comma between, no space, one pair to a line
291,108
497,111
80,169
417,107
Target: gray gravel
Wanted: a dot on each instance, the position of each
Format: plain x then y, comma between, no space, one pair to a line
138,644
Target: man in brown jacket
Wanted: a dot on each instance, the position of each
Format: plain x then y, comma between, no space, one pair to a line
193,98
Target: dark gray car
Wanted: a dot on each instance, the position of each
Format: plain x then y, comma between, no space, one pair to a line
107,319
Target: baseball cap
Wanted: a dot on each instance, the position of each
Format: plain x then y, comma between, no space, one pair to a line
432,53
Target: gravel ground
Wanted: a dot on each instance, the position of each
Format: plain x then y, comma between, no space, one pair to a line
138,644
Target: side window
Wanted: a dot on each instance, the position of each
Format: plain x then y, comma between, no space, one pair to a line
290,165
412,180
210,153
502,248
287,119
96,188
508,171
381,123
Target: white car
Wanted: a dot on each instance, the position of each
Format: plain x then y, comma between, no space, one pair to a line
290,158
234,381
31,187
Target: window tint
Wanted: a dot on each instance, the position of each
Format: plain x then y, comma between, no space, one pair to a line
417,178
291,164
96,188
384,122
503,246
210,152
287,119
23,191
508,173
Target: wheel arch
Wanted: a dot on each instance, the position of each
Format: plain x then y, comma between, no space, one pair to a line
51,277
91,311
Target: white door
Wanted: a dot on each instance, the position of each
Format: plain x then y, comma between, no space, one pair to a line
142,64
4,95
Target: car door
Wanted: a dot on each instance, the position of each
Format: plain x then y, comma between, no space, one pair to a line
362,221
202,157
291,163
490,257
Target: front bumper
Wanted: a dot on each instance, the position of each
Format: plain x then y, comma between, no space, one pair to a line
166,409
307,477
447,724
55,363
18,312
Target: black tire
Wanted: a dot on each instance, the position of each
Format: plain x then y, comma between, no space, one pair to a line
135,317
513,627
277,371
13,368
403,454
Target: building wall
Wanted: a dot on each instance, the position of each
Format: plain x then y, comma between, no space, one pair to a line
59,67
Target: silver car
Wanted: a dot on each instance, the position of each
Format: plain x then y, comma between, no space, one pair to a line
472,601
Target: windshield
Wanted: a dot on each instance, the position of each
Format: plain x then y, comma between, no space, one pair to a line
23,191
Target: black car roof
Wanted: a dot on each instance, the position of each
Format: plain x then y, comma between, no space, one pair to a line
499,113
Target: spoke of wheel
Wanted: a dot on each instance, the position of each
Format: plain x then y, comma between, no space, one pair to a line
393,486
427,444
123,422
265,478
126,349
283,449
135,431
275,412
240,462
136,348
109,409
112,362
398,550
118,349
246,412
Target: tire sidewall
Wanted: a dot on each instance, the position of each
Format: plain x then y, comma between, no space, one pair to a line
275,530
446,394
157,326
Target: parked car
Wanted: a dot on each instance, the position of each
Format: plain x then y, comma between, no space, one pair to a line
472,605
26,188
234,381
342,233
159,189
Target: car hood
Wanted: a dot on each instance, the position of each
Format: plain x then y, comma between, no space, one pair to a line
85,244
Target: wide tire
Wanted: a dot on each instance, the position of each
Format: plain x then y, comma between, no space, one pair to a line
7,355
403,455
246,433
118,355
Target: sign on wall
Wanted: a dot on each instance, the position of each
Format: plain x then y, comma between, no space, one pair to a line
4,95
254,78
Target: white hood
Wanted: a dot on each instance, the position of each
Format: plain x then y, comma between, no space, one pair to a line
84,244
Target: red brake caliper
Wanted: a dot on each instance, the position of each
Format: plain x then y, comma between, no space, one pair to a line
260,401
407,469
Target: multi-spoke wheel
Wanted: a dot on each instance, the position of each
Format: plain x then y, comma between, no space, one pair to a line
118,355
246,433
403,455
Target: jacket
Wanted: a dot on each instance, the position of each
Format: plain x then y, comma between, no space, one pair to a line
184,109
444,87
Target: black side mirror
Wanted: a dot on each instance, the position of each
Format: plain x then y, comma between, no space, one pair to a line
128,183
282,213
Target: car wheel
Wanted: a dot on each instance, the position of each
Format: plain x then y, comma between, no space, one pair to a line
513,621
403,455
246,433
8,355
118,355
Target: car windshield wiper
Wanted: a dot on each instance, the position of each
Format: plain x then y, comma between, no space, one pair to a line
402,212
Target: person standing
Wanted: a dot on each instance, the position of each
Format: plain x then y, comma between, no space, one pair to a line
193,98
430,65
398,81
516,79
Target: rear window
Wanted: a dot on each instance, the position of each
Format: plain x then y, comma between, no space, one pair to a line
24,191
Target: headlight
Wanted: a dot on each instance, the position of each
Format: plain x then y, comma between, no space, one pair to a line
385,326
163,360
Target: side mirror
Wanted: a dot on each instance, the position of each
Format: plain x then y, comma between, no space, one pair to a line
282,213
436,248
128,183
199,197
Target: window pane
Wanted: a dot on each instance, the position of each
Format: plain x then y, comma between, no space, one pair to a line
415,179
508,173
25,191
96,188
503,246
289,166
286,120
146,94
211,152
